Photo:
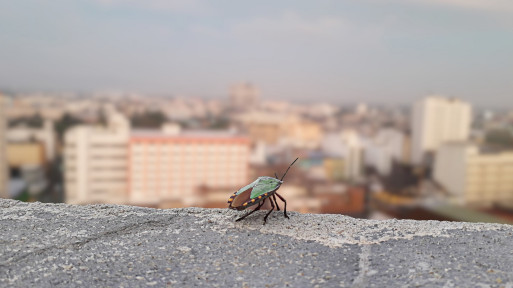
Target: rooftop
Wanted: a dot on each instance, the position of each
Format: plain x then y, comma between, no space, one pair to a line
47,245
187,134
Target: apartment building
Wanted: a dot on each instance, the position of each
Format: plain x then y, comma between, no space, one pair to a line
303,134
44,135
114,164
346,145
266,127
244,96
436,120
167,167
353,155
474,177
272,128
95,159
387,146
26,154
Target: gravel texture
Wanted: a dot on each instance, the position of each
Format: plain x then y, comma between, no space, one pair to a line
47,245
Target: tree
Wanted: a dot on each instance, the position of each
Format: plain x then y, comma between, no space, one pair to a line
62,125
34,121
500,137
149,119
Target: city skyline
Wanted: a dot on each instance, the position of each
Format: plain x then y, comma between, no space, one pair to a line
377,52
146,151
346,102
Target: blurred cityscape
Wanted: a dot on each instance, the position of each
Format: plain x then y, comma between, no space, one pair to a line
437,158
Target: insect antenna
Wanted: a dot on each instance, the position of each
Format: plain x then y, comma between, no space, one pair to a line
288,169
276,175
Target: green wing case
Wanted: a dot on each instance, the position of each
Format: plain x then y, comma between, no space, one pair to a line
246,187
264,185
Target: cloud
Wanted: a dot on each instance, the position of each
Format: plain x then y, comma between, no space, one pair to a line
291,24
157,5
207,31
482,5
292,28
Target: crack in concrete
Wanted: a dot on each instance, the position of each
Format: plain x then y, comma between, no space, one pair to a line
78,244
364,265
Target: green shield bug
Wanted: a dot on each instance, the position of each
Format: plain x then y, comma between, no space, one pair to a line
257,192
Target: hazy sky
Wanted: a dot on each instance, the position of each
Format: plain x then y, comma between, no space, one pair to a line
343,51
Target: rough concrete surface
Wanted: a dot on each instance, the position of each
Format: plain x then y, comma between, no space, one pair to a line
47,245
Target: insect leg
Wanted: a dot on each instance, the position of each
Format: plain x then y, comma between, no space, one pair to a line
284,201
251,212
276,202
272,208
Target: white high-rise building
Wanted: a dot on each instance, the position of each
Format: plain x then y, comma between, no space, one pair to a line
436,120
3,150
96,161
473,177
353,155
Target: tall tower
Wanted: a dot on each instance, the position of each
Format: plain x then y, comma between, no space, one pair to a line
436,120
3,149
96,161
243,96
353,161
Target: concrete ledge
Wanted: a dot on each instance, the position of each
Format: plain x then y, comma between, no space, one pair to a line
46,245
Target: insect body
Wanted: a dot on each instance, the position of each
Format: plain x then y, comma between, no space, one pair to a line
258,192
